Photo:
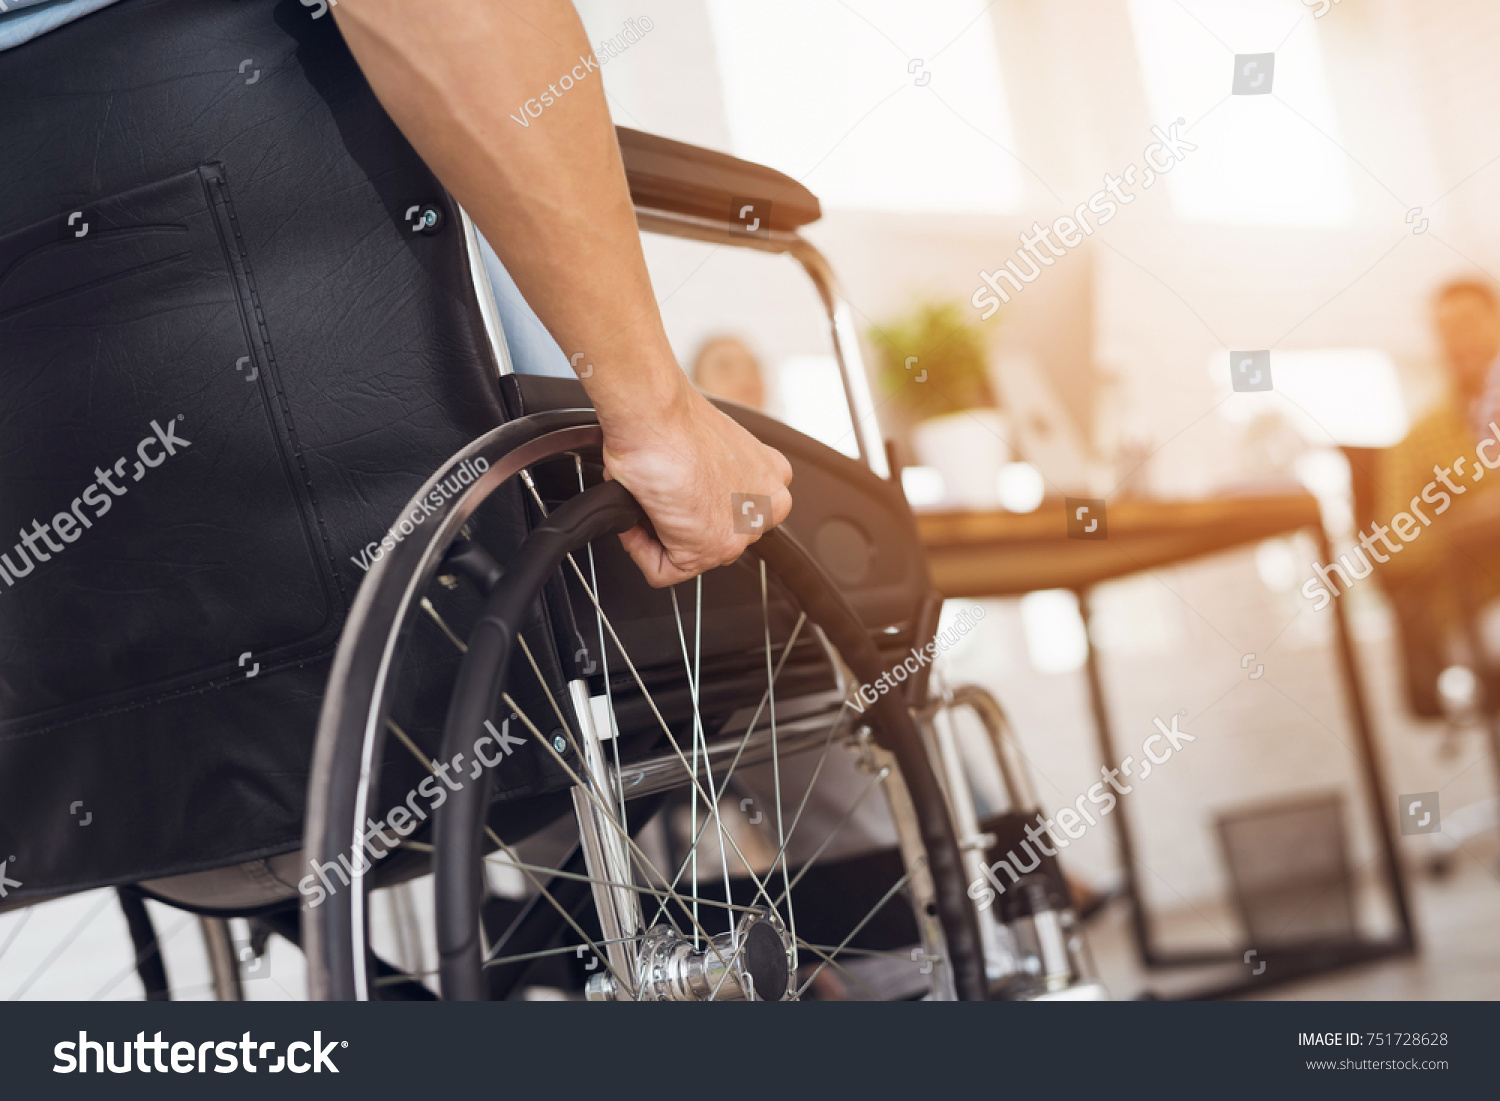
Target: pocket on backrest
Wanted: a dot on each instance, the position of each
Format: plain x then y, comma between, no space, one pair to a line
156,524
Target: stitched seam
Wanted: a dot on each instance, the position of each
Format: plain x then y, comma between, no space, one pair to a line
275,373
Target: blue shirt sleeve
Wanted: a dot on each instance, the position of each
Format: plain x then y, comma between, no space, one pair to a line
23,20
532,349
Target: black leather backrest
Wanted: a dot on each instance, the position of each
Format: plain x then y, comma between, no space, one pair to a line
226,360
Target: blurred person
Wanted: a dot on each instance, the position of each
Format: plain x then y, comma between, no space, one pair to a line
725,367
1433,464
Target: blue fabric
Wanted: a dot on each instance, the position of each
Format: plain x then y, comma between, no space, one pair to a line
532,349
23,20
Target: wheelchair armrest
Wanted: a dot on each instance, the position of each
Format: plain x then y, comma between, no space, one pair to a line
686,179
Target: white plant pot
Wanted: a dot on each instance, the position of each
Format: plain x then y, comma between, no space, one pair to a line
967,449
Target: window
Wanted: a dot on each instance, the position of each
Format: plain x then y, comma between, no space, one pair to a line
1261,159
874,104
1348,397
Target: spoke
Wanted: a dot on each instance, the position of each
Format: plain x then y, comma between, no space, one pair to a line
545,952
645,692
643,861
829,961
745,741
16,930
654,892
694,672
671,738
781,837
854,932
905,957
443,626
615,817
765,619
822,757
693,820
787,892
806,794
62,945
159,949
879,776
431,767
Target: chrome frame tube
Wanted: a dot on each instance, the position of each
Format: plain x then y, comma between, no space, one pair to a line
484,291
865,424
1000,956
604,851
914,856
992,716
840,317
223,964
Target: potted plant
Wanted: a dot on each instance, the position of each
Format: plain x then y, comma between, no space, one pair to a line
934,372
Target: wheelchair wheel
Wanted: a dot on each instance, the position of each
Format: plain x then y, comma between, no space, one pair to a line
680,784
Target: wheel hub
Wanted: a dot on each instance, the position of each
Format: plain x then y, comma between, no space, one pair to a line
754,963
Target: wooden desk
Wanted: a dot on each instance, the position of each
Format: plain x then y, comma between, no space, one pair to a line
995,553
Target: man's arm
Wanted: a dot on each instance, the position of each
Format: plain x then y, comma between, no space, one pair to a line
551,198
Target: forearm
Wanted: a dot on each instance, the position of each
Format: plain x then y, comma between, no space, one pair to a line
549,195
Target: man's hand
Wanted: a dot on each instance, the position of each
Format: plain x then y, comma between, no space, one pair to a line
551,197
683,466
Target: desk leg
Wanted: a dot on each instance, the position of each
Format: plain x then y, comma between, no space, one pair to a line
1469,604
1124,839
1377,791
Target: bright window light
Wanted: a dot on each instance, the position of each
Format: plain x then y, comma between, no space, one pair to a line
873,104
923,486
810,398
1020,487
1277,562
1261,159
1056,640
1348,397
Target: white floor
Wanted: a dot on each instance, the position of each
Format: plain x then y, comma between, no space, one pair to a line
1457,917
78,949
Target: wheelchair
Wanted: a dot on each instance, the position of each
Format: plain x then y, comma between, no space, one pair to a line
359,628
